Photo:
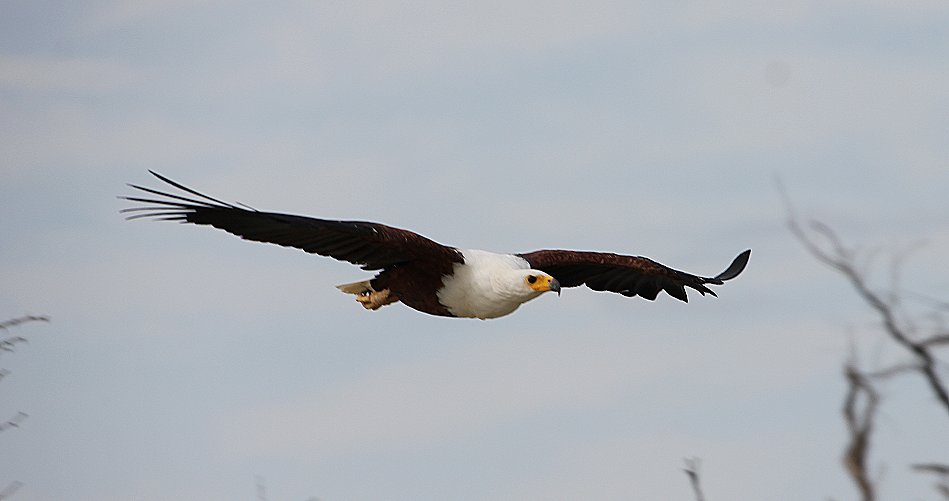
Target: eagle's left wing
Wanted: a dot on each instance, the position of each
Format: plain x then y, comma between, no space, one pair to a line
626,275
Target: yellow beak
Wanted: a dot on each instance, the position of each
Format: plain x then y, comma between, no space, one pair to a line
546,283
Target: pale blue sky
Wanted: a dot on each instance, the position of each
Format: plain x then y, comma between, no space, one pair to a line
182,363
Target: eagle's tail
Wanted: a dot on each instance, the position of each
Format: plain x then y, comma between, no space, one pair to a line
357,288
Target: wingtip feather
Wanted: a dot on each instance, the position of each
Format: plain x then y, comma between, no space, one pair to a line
735,269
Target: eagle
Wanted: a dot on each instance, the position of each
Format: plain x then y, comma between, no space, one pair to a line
421,273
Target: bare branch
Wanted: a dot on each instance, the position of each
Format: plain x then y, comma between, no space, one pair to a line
937,304
834,254
890,306
859,419
935,340
9,343
692,470
938,469
6,324
10,490
892,371
14,422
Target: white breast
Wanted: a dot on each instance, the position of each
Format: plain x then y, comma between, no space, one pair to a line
482,286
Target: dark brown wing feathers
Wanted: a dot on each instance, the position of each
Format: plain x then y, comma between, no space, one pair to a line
411,258
372,245
626,275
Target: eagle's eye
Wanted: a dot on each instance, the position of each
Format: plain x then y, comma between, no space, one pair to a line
531,279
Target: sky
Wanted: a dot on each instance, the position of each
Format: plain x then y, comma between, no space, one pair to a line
183,363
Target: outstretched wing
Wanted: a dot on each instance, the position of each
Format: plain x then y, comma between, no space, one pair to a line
626,275
371,245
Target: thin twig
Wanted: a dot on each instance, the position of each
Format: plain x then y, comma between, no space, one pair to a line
692,470
935,340
859,419
892,371
6,324
14,422
10,489
938,469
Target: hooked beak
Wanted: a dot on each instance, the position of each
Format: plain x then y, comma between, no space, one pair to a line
555,285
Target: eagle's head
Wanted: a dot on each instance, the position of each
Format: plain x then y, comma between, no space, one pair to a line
539,282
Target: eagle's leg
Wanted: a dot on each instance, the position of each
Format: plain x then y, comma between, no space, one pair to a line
373,300
368,297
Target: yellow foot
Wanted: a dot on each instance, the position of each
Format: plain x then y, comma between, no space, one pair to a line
373,300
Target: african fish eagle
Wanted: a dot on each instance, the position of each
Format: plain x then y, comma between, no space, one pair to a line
423,274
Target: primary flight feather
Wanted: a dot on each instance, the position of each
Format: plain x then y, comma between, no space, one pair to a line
423,274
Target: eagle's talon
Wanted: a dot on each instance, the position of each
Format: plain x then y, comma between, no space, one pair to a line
373,300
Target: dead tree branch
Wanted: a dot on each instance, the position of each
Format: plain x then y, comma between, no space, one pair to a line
935,340
9,343
919,336
692,470
6,324
842,259
14,422
859,411
10,489
942,470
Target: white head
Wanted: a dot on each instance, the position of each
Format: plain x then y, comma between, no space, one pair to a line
531,283
490,285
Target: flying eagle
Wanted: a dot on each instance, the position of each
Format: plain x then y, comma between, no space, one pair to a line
423,274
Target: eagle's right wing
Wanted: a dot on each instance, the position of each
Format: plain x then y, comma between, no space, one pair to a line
371,245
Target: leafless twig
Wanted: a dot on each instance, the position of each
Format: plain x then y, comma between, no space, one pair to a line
14,422
859,412
6,324
837,256
938,469
9,343
862,399
692,470
935,340
892,371
10,489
